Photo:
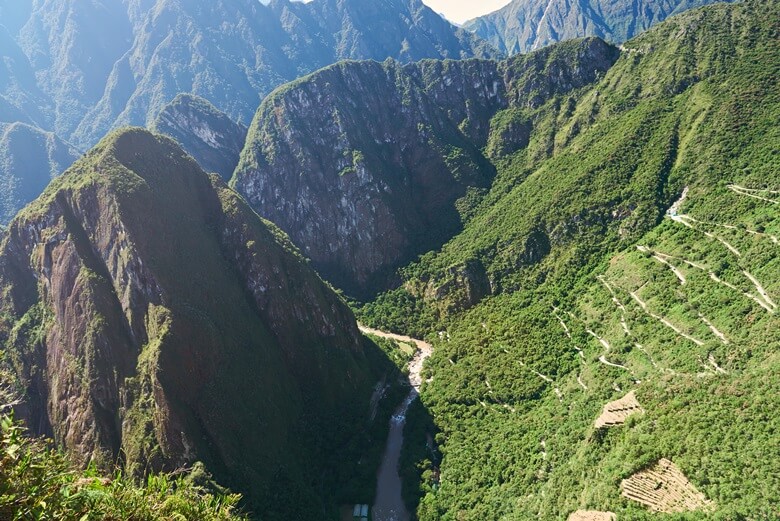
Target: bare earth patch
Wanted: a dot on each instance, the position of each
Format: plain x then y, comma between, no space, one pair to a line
616,413
664,488
591,515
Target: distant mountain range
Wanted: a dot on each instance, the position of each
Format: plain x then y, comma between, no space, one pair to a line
80,69
525,25
29,159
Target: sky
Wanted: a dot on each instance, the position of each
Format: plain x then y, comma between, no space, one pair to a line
461,10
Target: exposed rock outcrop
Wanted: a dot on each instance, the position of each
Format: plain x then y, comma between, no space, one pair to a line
104,65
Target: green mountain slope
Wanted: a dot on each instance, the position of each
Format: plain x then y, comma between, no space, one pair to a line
153,320
525,25
598,285
362,195
38,481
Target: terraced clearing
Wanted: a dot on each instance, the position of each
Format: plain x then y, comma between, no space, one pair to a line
664,488
676,330
754,193
591,515
617,412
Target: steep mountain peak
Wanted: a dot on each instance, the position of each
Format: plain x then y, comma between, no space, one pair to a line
81,69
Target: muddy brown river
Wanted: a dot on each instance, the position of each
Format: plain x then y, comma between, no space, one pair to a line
389,504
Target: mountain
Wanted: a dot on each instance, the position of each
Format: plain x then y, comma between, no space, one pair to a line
363,195
205,133
622,361
525,25
152,319
29,159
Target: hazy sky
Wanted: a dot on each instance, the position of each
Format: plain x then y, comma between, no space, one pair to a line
462,10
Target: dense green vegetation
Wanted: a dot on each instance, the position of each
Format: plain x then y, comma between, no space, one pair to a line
584,305
363,196
38,482
571,284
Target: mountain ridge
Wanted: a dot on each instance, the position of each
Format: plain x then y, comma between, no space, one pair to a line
80,70
150,52
625,254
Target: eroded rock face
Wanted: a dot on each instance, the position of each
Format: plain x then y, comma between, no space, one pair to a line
362,163
208,135
152,318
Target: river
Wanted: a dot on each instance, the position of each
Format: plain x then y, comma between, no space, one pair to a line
389,504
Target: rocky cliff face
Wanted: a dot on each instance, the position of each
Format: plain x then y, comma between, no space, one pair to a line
361,195
526,25
208,135
153,319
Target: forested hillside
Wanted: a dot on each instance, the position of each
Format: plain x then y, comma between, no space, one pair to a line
363,195
629,252
583,238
